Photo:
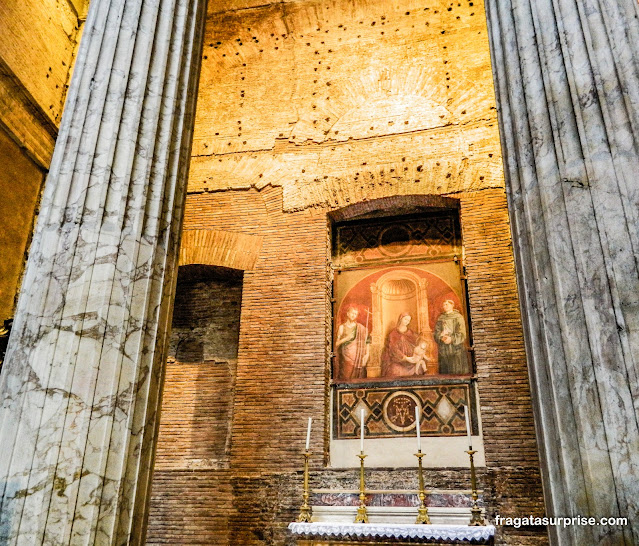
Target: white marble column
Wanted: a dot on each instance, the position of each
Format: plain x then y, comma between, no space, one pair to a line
81,383
567,85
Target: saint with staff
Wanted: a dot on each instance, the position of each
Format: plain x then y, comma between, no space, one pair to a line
352,346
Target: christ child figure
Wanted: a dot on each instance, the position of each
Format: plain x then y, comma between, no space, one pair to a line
419,356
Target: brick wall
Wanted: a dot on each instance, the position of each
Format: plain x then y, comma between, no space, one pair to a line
281,379
501,360
304,108
192,495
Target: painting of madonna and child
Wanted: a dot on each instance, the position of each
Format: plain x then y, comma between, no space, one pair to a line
400,322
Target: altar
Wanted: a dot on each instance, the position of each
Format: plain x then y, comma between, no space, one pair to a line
392,516
341,533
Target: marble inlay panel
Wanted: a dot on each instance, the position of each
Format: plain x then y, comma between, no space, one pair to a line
441,408
447,500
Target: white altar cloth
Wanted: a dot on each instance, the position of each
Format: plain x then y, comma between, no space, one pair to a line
390,530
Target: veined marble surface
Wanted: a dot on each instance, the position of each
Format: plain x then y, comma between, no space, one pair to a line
567,85
80,383
439,515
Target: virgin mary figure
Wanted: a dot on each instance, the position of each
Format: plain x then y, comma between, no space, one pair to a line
399,348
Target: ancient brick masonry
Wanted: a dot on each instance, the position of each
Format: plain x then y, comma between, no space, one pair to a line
248,494
304,108
192,461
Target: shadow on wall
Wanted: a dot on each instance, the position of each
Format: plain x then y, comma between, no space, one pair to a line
204,344
191,494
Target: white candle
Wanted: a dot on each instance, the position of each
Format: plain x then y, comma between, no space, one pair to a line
419,438
470,442
308,433
361,431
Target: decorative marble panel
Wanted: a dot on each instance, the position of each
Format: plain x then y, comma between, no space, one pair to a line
441,499
396,240
390,411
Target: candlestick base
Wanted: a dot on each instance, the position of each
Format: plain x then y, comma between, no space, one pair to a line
476,517
305,510
305,515
422,516
362,514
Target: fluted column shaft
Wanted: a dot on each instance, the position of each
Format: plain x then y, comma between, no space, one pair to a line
81,382
567,85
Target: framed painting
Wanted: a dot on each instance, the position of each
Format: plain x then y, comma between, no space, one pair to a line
400,322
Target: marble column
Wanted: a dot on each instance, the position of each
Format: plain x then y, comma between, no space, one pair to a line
567,84
81,382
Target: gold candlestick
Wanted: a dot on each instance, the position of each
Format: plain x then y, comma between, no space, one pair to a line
422,511
305,510
475,511
362,514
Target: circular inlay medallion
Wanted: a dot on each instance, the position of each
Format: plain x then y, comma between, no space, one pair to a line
399,411
394,241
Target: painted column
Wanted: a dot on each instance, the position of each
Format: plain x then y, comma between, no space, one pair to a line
567,85
80,386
